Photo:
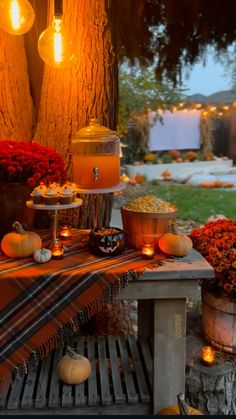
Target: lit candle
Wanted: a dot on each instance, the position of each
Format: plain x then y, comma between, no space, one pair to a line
65,232
57,250
208,355
148,251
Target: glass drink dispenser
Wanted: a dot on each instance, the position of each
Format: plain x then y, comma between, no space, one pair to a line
96,157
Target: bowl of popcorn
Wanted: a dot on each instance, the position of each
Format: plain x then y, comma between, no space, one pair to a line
145,219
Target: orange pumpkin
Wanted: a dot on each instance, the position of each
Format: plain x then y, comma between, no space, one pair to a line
20,243
179,409
73,368
175,244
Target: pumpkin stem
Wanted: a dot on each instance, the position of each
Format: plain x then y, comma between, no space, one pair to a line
71,352
172,227
18,227
183,407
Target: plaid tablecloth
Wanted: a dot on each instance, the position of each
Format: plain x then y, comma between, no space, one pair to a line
38,302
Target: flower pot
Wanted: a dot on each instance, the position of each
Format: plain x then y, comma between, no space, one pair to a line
219,321
13,207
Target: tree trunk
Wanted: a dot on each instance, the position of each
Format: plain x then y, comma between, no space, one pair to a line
209,389
71,96
16,107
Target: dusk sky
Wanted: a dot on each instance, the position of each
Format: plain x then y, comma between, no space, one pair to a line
207,79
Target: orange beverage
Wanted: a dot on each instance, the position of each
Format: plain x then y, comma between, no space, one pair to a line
96,171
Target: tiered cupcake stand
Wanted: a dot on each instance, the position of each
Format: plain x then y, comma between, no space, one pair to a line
54,208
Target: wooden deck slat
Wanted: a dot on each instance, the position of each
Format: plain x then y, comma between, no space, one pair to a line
27,396
80,398
14,398
114,385
143,389
115,373
53,399
106,398
92,380
3,397
130,387
147,360
40,400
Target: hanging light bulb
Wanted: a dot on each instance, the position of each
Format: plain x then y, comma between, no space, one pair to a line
54,45
16,16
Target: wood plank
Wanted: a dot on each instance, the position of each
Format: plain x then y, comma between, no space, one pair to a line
41,396
27,396
3,398
148,360
93,398
142,290
143,390
127,370
169,351
80,397
115,372
14,397
106,398
191,266
66,397
53,399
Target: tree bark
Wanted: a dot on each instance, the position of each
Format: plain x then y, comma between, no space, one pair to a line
209,389
16,108
71,96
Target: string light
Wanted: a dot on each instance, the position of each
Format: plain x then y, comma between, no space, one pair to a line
54,45
206,109
16,16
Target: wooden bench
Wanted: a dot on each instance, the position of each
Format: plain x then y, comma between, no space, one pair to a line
120,383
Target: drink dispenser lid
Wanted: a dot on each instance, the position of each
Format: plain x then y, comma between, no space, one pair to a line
93,131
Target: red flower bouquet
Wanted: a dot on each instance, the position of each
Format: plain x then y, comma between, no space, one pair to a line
216,241
30,163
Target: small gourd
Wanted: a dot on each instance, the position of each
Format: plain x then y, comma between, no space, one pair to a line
42,255
179,409
73,368
20,243
175,244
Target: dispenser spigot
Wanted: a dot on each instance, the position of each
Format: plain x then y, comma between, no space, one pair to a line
95,173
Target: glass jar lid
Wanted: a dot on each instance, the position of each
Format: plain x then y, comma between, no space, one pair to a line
93,131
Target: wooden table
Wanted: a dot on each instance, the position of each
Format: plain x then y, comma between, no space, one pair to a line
161,295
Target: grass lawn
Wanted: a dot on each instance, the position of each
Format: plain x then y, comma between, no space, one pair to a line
193,202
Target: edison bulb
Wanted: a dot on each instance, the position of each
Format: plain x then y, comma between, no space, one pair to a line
55,46
16,16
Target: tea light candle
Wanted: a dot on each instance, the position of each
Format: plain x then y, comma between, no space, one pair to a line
65,232
148,251
57,250
208,356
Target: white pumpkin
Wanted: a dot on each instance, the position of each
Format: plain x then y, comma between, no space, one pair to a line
42,255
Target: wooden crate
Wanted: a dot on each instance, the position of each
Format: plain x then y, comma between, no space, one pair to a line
120,383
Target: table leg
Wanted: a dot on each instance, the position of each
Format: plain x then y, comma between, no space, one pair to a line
169,351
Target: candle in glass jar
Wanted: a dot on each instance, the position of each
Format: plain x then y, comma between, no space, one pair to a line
208,355
65,232
57,250
148,251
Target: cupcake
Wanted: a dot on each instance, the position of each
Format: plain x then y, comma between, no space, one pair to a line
65,195
74,188
37,194
50,196
54,185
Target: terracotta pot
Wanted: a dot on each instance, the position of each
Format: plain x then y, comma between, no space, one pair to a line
219,321
13,207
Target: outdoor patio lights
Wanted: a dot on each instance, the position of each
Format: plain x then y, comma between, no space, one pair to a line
16,16
208,356
54,45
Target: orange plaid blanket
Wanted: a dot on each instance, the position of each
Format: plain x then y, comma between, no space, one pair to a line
38,302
